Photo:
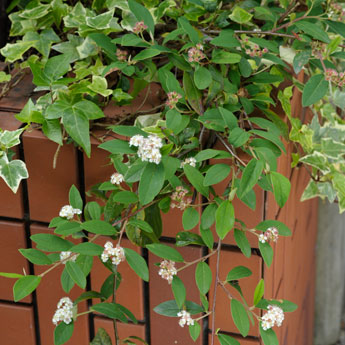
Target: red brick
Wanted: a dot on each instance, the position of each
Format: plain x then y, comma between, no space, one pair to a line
12,238
16,325
48,188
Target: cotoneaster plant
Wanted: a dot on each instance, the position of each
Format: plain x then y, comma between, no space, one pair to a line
220,67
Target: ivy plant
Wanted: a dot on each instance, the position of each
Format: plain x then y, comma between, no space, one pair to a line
223,69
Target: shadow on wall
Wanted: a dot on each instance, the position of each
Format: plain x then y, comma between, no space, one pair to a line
330,277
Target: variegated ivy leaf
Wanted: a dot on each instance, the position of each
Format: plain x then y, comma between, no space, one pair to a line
319,189
12,172
9,139
317,160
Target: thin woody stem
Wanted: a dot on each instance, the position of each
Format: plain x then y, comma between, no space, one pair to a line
215,292
230,150
202,317
197,260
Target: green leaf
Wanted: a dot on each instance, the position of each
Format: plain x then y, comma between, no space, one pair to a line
170,308
137,263
227,340
111,310
300,60
266,253
208,216
179,291
238,136
225,218
216,174
269,337
117,146
313,30
10,275
75,199
175,121
259,292
202,78
88,109
148,53
66,281
63,332
99,85
51,243
99,227
196,179
242,242
142,14
77,126
76,274
185,238
101,338
266,78
240,317
67,228
189,30
93,210
52,130
240,16
283,230
193,95
141,224
24,286
127,131
203,277
281,187
226,39
238,272
314,90
151,182
13,172
165,252
190,218
194,330
224,57
56,67
250,176
207,237
15,51
35,256
125,197
87,248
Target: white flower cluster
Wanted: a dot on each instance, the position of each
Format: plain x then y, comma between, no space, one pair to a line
179,199
148,148
270,234
68,212
185,318
116,178
116,254
67,256
191,161
274,316
64,311
167,270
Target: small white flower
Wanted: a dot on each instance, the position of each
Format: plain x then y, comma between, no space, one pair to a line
167,270
270,234
136,140
148,148
274,316
191,161
67,256
116,178
68,212
185,318
116,255
64,311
